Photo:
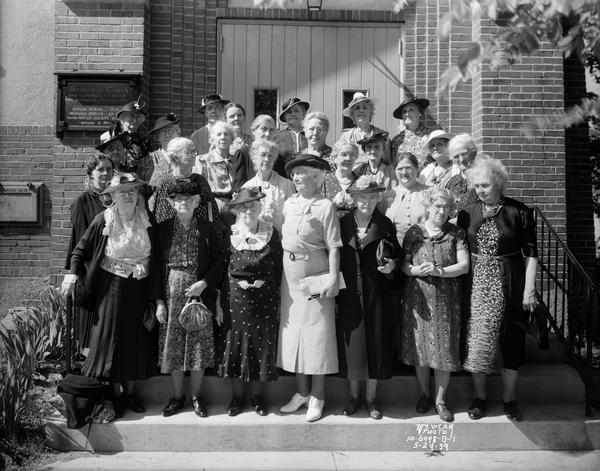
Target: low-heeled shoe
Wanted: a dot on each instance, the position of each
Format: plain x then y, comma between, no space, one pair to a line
199,407
423,404
174,406
373,410
477,409
512,411
235,406
259,405
352,406
445,414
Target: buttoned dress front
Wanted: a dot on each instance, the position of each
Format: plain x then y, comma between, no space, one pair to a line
307,342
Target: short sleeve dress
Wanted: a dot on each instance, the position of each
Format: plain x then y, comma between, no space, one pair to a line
254,281
432,306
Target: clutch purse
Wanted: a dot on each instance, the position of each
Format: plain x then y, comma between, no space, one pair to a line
149,319
385,249
194,315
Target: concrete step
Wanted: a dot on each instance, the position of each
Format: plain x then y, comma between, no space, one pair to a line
545,427
332,461
538,383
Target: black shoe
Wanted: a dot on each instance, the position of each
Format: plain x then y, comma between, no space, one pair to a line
235,406
477,409
512,411
119,407
445,414
199,407
174,406
423,404
259,405
352,406
134,404
373,410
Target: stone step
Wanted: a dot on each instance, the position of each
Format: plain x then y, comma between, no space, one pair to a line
538,383
545,427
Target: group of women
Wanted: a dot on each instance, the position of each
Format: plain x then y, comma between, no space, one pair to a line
255,253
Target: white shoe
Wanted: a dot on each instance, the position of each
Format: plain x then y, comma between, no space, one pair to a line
315,409
295,403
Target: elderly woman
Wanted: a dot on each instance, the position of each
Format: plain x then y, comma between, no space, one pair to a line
111,145
311,243
275,188
254,279
364,326
407,207
193,266
436,256
182,156
216,165
375,167
412,137
462,151
263,128
316,127
122,275
502,240
235,115
83,211
337,183
212,107
137,148
362,110
165,129
438,172
293,112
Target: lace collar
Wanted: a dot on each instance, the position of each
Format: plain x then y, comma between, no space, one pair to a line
112,218
242,239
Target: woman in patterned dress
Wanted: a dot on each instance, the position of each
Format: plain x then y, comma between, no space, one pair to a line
412,137
235,115
364,323
193,266
254,279
438,172
502,241
316,128
165,129
337,182
375,166
436,256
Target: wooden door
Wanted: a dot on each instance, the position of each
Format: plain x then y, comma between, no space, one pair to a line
263,62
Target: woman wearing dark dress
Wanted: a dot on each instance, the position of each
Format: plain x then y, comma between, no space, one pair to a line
83,211
502,241
194,262
255,268
364,321
120,280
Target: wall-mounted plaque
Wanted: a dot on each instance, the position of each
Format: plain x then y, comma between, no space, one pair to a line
20,203
88,102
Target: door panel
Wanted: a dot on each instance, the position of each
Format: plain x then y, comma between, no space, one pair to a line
316,62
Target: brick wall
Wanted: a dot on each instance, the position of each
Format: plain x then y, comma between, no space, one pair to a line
504,101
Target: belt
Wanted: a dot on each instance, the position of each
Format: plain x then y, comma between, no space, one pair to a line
476,256
125,269
297,256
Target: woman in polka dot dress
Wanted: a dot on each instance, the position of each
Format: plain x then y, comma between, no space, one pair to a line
255,268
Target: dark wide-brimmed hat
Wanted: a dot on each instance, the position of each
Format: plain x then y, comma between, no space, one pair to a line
133,107
245,195
291,102
376,137
215,98
185,188
123,181
307,160
109,137
356,98
422,104
365,185
163,122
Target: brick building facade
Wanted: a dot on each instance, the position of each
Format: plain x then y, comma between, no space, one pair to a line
174,46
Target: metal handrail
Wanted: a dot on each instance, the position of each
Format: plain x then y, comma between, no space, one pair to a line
572,301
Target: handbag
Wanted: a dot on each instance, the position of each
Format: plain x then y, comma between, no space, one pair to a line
149,320
385,249
194,315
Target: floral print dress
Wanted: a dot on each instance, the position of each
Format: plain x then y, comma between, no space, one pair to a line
432,306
